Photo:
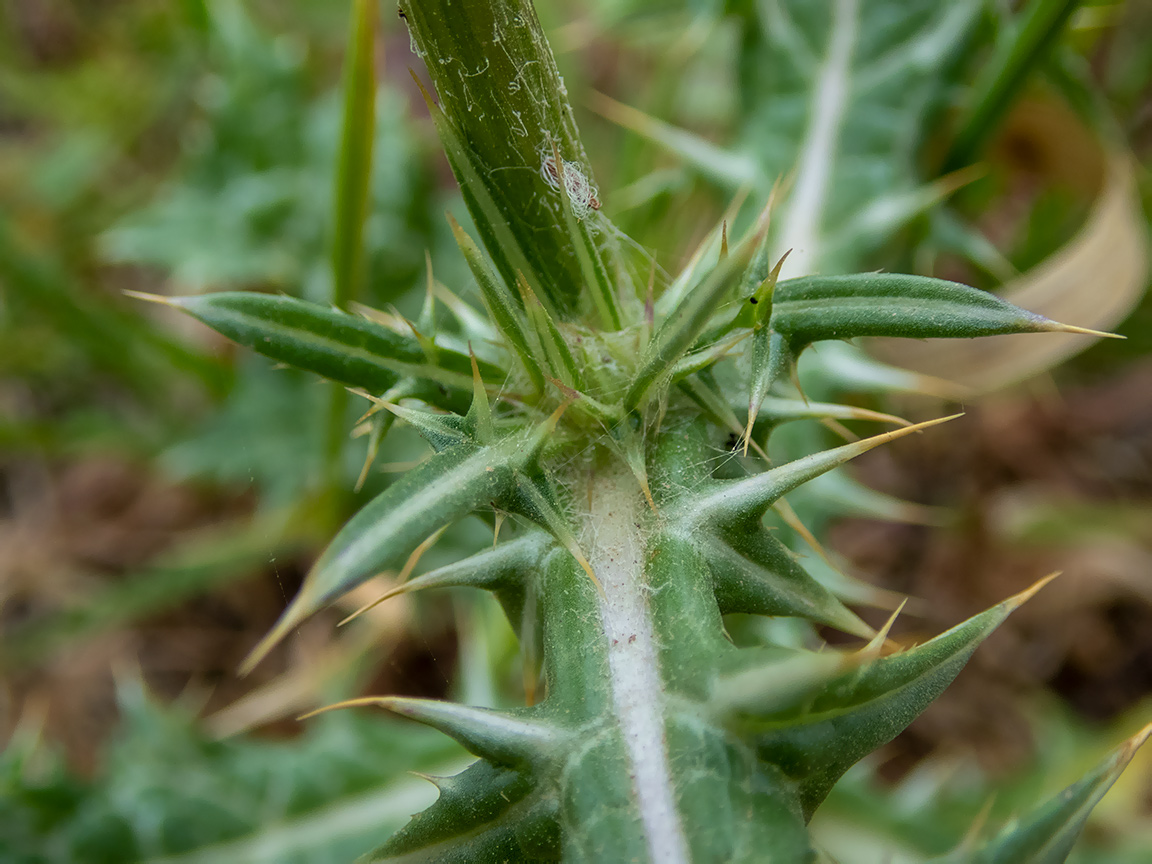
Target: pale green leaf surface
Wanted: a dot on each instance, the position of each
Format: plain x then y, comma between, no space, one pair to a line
1046,835
838,96
443,489
755,573
867,707
343,347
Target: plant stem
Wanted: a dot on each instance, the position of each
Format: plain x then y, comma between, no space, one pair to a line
1002,78
616,552
353,188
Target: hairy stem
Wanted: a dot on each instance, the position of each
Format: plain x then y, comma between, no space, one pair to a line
615,551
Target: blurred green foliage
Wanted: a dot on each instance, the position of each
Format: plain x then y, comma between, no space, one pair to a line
166,790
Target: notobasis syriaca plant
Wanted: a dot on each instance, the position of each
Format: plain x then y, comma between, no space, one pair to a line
615,422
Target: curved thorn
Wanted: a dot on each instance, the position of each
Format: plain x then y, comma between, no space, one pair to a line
405,572
731,499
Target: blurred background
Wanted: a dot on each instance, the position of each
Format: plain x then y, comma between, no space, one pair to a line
161,493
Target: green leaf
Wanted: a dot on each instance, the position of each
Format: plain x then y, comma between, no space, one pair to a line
441,431
868,707
346,348
815,81
484,814
755,573
728,502
506,570
443,489
354,171
502,738
553,344
503,309
1047,835
814,308
678,332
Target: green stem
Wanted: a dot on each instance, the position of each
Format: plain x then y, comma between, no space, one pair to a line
353,185
616,551
1001,80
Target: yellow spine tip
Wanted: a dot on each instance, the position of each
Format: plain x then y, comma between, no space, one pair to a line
894,434
1027,594
152,298
348,703
1137,741
289,619
1057,327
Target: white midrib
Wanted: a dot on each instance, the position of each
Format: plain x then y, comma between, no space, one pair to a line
615,552
804,212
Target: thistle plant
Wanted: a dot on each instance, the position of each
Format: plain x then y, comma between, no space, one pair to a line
582,416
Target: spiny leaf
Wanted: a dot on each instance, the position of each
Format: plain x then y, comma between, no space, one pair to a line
772,359
816,308
777,409
335,344
768,680
533,499
1047,835
764,371
404,574
480,414
813,308
444,488
504,310
499,737
754,573
868,707
1109,251
556,349
381,421
485,813
440,430
678,332
728,501
700,360
504,570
